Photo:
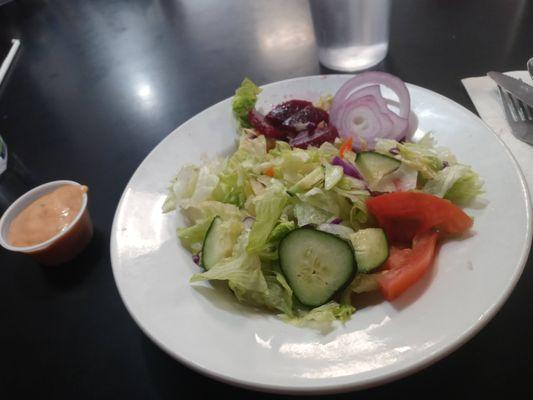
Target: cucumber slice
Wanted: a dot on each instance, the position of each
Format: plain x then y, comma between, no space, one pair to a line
217,244
374,166
371,248
316,264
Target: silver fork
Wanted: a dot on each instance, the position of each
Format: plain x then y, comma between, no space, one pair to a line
519,116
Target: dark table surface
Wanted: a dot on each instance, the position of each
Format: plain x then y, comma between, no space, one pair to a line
70,109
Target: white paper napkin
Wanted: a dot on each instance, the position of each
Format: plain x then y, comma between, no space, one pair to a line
484,94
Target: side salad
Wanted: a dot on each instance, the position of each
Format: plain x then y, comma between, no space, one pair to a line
321,202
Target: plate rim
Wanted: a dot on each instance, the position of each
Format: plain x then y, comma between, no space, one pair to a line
332,388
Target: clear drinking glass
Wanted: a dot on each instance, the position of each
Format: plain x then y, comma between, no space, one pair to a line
351,34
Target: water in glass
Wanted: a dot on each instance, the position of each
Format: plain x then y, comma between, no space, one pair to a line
351,34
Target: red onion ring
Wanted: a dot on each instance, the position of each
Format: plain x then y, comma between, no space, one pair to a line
400,124
373,78
363,121
359,110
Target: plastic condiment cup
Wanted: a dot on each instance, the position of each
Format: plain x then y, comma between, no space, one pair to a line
62,247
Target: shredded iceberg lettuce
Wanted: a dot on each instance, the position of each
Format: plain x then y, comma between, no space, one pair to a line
268,208
322,315
242,269
457,183
421,156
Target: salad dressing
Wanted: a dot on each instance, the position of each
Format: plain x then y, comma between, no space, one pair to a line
47,216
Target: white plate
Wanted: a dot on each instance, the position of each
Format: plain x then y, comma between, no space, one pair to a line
207,330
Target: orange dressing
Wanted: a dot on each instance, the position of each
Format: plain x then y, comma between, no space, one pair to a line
47,216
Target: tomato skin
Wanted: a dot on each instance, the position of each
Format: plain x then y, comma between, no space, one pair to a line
404,214
397,258
407,266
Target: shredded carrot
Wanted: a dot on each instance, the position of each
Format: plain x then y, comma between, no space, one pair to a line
269,171
346,146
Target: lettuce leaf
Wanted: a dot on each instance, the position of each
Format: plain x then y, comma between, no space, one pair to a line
327,151
323,315
270,251
192,185
327,201
337,229
268,208
281,230
401,180
359,213
202,215
351,188
209,209
457,183
192,237
242,269
244,101
277,297
313,178
235,178
362,283
422,156
306,214
332,175
324,102
182,186
348,183
290,166
251,282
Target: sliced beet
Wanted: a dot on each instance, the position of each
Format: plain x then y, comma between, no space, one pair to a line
264,127
281,112
307,118
294,117
322,134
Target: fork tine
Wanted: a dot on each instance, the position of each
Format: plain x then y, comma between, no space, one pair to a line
518,115
519,106
528,112
516,105
508,105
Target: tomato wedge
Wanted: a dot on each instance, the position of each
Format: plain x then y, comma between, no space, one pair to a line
397,258
407,266
404,214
